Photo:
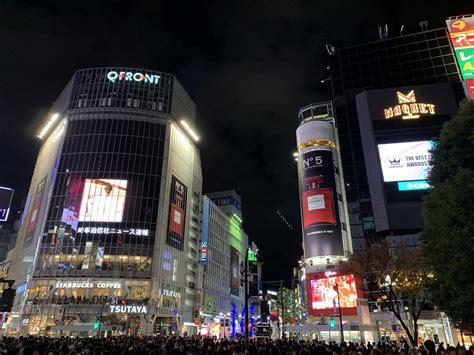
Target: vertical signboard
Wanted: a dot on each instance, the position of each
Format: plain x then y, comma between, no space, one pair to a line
30,229
461,32
319,200
6,196
177,216
203,257
234,271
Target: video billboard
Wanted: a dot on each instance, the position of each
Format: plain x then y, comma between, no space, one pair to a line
322,294
103,200
234,271
177,216
319,204
6,196
30,229
72,201
405,161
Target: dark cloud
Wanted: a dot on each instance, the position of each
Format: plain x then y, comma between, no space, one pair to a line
248,64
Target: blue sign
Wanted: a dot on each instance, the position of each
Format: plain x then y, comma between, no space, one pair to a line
413,185
203,255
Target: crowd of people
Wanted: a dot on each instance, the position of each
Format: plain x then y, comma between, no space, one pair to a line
175,345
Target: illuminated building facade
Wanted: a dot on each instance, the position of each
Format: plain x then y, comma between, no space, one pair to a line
112,214
412,59
223,247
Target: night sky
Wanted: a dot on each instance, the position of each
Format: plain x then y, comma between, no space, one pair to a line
249,65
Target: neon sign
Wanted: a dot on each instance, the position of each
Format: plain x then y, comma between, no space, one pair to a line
114,76
408,108
461,33
128,309
82,284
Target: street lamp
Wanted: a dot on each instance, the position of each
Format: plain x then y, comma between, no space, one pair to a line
336,288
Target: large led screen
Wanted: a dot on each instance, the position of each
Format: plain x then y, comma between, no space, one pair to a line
405,161
103,200
323,296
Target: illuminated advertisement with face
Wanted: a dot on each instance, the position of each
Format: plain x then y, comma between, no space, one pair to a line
177,216
234,271
319,202
323,289
405,161
6,195
103,200
30,229
72,202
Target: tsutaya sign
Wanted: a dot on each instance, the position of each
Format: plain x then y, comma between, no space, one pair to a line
82,284
408,108
114,76
128,309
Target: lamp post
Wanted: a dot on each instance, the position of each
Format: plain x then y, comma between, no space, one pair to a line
336,288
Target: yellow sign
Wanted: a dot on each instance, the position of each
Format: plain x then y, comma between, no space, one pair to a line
408,108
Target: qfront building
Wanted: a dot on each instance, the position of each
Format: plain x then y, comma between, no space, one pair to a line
109,238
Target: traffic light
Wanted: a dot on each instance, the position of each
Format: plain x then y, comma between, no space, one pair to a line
332,323
96,325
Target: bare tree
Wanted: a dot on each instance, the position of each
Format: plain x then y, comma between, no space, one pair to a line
397,277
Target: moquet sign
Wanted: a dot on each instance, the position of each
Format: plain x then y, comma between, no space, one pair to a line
128,309
114,76
408,108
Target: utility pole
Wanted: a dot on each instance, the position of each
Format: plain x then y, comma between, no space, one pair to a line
336,288
246,297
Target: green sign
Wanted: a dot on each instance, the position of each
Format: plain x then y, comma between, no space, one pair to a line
465,57
413,185
332,323
252,257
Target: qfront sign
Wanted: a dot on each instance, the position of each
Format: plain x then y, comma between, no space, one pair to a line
82,284
128,309
114,76
408,108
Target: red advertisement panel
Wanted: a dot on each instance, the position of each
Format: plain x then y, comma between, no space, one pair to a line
175,235
461,31
323,293
470,88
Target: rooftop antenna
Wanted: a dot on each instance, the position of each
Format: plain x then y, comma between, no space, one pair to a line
424,25
330,49
401,30
383,32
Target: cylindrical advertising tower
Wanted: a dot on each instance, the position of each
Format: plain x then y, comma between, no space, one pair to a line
326,234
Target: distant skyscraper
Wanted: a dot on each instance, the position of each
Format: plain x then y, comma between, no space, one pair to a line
223,247
111,224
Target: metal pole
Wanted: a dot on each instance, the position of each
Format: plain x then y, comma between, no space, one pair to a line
340,312
282,311
246,298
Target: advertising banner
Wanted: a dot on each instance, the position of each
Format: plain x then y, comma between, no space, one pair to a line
103,200
405,161
30,229
323,288
234,271
72,202
319,204
6,195
177,217
461,32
